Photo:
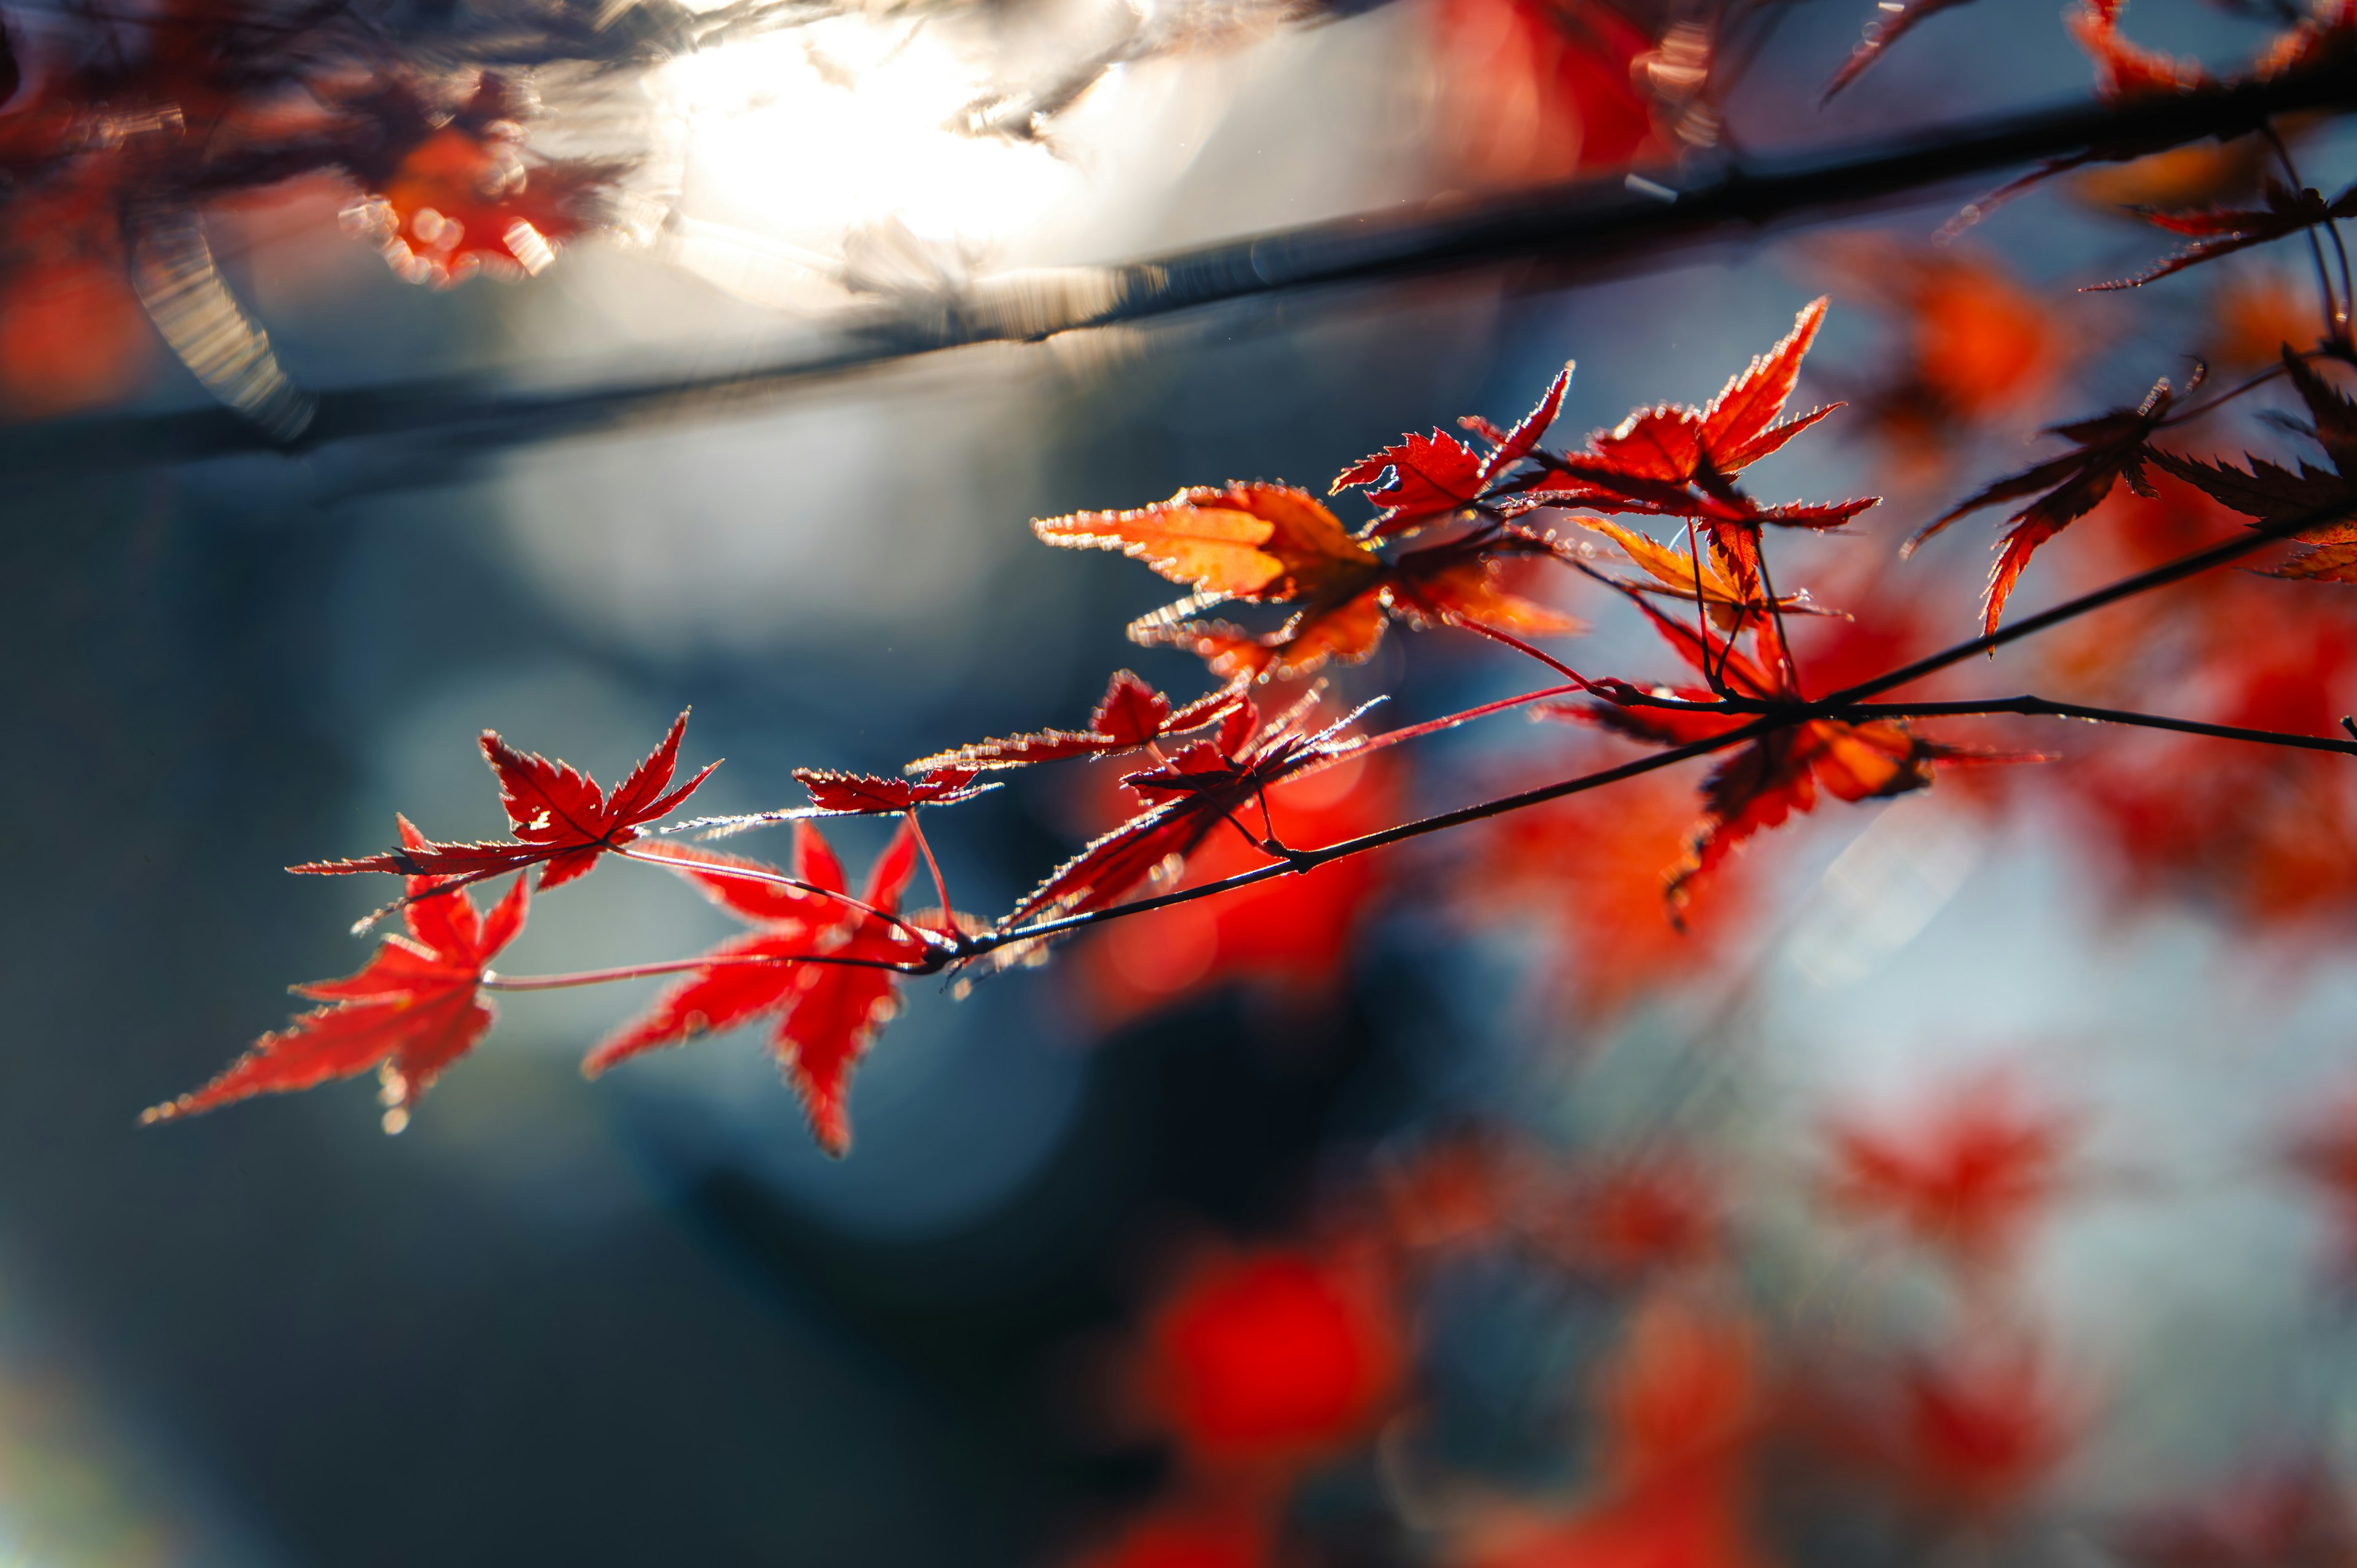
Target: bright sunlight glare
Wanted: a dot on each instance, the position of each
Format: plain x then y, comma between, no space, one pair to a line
797,139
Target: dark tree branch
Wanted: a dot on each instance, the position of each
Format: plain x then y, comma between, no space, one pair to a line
922,937
2043,707
494,981
1299,861
1580,230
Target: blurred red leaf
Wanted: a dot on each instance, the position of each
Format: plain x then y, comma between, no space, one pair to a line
1272,1356
466,196
1187,1533
1965,1176
1971,344
1593,868
1971,1435
1291,934
1540,90
1678,1408
1980,1433
1624,1219
72,335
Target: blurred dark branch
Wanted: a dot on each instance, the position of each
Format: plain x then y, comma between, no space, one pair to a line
1573,231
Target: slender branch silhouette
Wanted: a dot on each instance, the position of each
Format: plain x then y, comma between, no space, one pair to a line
1580,230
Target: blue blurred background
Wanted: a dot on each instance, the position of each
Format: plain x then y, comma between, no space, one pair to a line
645,1320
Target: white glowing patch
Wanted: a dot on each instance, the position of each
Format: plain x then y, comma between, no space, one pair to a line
802,135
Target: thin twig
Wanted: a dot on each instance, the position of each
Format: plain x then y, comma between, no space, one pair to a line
2045,707
1715,679
1519,646
2259,537
2333,316
2192,411
780,879
493,981
940,889
1784,638
1302,860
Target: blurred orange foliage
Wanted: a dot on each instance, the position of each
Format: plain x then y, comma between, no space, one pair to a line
1594,868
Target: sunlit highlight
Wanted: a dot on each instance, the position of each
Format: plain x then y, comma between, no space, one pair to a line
802,140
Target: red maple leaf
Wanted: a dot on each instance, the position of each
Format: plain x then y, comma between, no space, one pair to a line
1263,544
1193,793
2220,231
866,795
1276,544
2107,449
825,972
835,794
1696,577
1131,715
1436,475
563,821
415,1008
2273,493
1676,461
1452,584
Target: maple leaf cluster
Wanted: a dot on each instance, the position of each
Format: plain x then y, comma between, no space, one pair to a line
1458,528
821,967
